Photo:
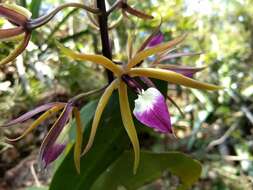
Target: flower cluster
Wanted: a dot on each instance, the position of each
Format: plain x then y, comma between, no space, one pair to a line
150,106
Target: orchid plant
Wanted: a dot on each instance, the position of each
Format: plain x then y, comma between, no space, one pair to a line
150,107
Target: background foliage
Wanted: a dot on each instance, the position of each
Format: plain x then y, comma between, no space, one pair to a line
217,126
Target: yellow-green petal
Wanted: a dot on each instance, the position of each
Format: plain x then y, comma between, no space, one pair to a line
154,50
99,59
38,121
100,108
79,139
128,123
172,77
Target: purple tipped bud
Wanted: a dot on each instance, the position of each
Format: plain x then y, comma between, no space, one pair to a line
157,39
50,149
52,154
151,110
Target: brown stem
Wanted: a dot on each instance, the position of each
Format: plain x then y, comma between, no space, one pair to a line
103,25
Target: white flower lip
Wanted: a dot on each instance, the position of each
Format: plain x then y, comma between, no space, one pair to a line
151,110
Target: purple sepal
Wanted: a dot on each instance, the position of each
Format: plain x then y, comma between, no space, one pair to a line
157,39
177,55
186,71
50,140
31,113
151,110
52,154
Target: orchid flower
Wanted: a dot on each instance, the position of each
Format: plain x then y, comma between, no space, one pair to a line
52,145
150,107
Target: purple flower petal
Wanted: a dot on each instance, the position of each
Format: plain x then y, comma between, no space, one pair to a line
157,39
186,71
151,110
31,113
50,140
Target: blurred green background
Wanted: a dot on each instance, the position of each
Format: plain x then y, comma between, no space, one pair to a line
217,126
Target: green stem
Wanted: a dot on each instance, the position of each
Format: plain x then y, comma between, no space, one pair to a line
86,94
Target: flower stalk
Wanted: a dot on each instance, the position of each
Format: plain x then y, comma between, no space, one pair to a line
103,25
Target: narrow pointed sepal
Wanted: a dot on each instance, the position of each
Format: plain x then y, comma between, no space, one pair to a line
186,71
79,139
49,150
154,50
39,121
32,113
151,110
172,77
128,123
99,59
100,108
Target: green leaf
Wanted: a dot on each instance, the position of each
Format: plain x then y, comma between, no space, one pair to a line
110,142
108,151
35,8
152,166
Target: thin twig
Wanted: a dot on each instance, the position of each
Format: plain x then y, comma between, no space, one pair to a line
223,138
35,23
86,94
37,182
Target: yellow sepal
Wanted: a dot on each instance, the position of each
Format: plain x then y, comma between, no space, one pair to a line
154,50
128,123
79,139
99,59
172,77
100,108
